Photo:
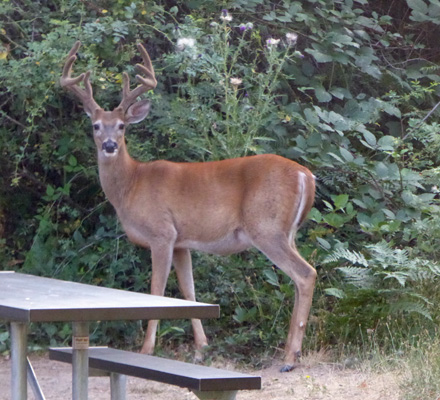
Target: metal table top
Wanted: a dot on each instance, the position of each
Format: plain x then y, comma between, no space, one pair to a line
27,298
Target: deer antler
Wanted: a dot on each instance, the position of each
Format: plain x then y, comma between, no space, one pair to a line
66,81
146,84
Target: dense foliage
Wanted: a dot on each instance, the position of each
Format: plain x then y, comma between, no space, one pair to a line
348,88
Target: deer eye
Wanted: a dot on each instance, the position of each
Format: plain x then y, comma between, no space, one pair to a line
96,127
121,126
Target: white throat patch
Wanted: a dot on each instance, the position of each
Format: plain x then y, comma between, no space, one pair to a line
114,154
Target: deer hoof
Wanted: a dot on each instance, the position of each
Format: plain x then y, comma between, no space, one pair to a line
199,357
287,368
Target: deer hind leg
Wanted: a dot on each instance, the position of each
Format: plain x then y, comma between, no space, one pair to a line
183,265
286,257
161,257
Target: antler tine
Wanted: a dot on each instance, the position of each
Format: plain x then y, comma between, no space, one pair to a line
146,83
66,81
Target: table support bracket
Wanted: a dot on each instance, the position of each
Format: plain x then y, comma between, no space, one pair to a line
226,395
33,382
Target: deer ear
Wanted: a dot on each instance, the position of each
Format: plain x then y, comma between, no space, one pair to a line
137,112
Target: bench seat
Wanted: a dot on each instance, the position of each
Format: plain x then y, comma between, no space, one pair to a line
205,382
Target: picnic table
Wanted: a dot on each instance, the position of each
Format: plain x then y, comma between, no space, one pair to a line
26,298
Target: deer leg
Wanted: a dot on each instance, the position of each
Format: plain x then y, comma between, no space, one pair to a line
183,265
286,257
161,257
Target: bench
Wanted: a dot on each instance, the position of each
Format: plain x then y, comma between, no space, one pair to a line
205,382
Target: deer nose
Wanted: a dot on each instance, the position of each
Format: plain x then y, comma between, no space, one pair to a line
109,146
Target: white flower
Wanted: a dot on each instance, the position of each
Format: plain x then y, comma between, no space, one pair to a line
291,38
272,42
235,81
183,43
225,16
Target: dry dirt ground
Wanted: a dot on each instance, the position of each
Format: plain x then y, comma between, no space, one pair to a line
315,379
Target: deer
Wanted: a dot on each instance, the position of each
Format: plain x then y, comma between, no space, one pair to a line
219,207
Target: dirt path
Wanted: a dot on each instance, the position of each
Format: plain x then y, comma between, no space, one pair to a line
314,380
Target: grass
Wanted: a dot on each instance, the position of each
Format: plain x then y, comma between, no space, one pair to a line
421,375
415,364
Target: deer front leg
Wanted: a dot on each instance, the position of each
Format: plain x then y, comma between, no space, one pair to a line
183,265
161,256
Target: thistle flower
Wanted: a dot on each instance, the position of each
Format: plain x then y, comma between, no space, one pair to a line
225,17
247,26
183,43
272,42
291,38
235,81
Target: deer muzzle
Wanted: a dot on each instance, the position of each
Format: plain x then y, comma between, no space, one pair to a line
110,147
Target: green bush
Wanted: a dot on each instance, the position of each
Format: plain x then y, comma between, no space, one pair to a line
349,91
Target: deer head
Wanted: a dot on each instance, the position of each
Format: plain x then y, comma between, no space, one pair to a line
109,126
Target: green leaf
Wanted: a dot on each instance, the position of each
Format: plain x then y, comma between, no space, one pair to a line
338,293
319,56
322,95
324,243
170,329
418,5
434,9
340,201
77,237
391,109
372,70
340,93
334,220
389,213
382,170
409,198
360,203
4,336
72,161
370,138
311,116
271,277
346,154
336,157
241,314
50,191
315,215
285,18
269,17
386,143
364,220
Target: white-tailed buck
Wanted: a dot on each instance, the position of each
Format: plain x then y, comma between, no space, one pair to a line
219,207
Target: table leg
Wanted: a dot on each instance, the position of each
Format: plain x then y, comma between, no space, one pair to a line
80,361
19,360
118,386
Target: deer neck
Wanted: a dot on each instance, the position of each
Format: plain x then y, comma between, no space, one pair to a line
116,174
